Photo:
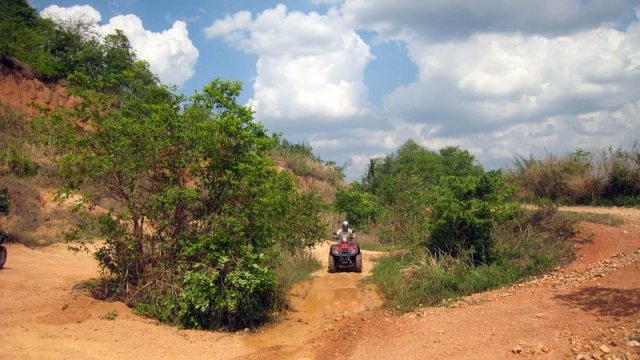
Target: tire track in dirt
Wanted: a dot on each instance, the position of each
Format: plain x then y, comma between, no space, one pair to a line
589,309
44,317
316,306
573,311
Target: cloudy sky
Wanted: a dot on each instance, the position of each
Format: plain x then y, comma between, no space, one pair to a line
356,78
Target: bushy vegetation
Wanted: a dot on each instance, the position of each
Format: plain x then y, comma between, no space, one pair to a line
415,167
204,217
29,38
611,177
17,163
360,207
465,210
462,229
203,226
532,244
393,197
300,159
13,133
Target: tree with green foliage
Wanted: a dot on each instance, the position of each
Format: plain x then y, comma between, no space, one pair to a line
415,166
202,214
359,206
26,37
402,182
464,211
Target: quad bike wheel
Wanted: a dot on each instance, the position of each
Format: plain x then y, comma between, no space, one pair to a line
3,256
332,264
359,263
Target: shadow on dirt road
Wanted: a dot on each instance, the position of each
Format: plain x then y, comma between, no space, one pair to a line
604,301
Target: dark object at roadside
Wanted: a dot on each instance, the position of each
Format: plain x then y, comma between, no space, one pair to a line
4,201
3,250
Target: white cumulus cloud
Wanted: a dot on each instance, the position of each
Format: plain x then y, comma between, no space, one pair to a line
495,77
170,53
83,14
310,65
513,78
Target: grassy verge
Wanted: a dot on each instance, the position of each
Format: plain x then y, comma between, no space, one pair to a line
372,243
292,269
603,219
536,243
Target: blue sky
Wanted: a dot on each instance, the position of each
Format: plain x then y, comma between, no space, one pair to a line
357,78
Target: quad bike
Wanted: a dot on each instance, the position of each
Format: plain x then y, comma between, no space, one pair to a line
345,255
3,251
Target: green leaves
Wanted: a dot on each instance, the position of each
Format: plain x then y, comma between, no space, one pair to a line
414,167
360,207
201,210
464,211
199,214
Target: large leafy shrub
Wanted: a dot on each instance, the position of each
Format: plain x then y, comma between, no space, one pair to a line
202,213
465,210
358,206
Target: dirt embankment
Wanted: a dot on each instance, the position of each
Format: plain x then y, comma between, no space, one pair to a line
587,310
20,90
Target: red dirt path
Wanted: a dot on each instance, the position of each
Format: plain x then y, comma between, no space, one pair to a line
589,309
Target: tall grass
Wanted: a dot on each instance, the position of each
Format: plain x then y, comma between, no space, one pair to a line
535,243
611,177
293,268
16,163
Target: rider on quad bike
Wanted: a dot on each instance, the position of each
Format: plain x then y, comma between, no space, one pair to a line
346,253
345,231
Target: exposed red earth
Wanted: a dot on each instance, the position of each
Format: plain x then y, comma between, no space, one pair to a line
588,309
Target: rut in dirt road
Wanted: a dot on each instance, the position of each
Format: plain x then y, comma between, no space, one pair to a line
316,306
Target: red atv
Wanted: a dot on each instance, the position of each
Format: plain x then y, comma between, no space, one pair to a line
345,255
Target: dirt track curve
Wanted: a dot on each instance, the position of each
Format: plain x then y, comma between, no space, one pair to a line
589,309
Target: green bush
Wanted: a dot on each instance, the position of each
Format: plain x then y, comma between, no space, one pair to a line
18,164
414,167
465,210
535,242
248,291
28,38
359,207
203,213
405,223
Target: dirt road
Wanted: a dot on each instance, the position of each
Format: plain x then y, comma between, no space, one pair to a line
590,308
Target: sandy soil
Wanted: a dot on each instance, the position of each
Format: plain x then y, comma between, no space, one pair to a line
589,309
